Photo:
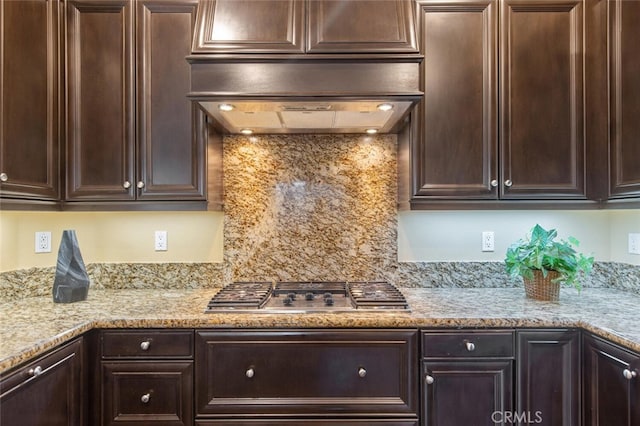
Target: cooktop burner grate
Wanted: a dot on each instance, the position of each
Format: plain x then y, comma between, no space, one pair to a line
378,295
247,295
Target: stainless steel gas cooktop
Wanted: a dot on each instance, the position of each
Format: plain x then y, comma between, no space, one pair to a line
308,296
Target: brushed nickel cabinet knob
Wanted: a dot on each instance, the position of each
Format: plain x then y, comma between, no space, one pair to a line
140,184
508,183
126,184
629,374
429,379
4,177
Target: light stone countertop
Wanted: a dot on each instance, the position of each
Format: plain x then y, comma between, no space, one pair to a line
31,326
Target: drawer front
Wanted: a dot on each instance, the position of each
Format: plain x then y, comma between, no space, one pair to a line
294,422
307,372
468,344
154,392
147,344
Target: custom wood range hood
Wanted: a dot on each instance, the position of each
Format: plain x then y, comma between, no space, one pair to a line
296,84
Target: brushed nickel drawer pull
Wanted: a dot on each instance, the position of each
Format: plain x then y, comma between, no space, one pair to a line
250,373
362,372
470,346
629,374
35,372
145,345
145,398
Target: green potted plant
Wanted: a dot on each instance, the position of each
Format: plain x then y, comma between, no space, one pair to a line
544,263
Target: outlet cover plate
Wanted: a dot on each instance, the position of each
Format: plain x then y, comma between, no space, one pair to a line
43,242
488,241
634,243
161,240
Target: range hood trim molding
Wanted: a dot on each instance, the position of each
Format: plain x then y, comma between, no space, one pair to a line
282,79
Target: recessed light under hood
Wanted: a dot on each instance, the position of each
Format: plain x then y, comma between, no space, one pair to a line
328,116
306,93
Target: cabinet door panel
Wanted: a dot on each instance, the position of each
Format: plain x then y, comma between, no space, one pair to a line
361,26
171,156
624,33
54,397
609,398
542,106
536,382
101,104
29,129
266,26
456,155
467,393
148,393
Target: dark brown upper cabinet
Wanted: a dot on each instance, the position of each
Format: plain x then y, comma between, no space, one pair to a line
338,26
624,98
100,110
510,132
456,151
133,134
30,100
542,142
297,26
272,26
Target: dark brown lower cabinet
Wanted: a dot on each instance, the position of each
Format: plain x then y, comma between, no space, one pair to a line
467,377
548,376
147,377
292,376
147,392
47,391
611,384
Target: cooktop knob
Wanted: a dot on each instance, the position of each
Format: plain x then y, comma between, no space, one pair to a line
328,301
291,296
308,296
287,301
328,295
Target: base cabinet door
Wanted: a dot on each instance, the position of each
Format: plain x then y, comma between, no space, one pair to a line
467,392
147,392
611,384
47,391
548,376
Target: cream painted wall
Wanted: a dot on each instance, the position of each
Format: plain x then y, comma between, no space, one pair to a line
456,235
198,236
112,236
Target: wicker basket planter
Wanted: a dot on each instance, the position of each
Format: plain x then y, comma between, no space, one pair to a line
541,287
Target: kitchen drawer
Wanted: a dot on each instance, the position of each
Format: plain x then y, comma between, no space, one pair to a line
310,372
147,392
468,344
297,422
147,344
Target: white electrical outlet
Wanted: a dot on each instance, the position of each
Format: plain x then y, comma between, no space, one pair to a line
43,242
161,241
488,242
634,243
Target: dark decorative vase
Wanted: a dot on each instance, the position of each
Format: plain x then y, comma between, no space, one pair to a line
71,283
